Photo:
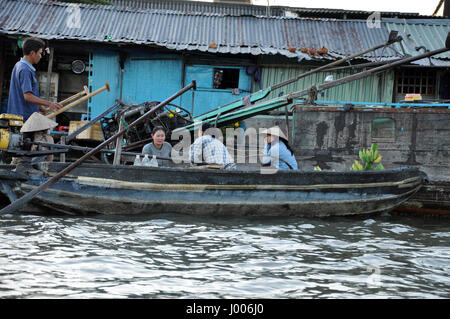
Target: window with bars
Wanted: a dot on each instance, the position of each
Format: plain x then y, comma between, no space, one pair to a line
416,81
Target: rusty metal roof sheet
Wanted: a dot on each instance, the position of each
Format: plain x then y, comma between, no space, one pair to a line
236,9
214,33
239,9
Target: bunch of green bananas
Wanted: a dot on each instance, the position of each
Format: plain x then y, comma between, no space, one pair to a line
369,157
357,166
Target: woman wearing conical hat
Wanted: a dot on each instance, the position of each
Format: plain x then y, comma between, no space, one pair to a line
37,127
277,151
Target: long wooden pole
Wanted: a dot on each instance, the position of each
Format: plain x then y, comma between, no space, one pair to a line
49,75
87,149
259,95
75,96
2,68
29,196
118,153
367,73
92,122
392,39
84,98
288,98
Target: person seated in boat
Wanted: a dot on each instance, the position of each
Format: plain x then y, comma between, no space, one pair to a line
277,151
208,150
37,129
158,147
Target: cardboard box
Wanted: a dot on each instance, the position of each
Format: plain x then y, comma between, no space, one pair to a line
94,132
413,97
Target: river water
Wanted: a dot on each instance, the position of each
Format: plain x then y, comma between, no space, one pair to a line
176,256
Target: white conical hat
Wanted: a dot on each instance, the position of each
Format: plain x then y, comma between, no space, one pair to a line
37,122
275,130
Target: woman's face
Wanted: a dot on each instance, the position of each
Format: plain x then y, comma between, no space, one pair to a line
158,138
269,138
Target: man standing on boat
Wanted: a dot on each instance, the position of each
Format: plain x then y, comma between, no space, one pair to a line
24,97
208,150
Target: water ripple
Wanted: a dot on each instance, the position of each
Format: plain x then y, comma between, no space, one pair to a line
176,256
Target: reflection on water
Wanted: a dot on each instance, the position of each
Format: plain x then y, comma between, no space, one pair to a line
174,256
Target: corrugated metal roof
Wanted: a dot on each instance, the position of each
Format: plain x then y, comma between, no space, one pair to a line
236,9
184,31
428,33
240,9
355,14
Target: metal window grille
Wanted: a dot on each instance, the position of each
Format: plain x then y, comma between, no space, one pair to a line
416,81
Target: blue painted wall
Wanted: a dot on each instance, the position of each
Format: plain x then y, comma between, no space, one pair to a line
151,78
104,68
205,97
146,78
155,77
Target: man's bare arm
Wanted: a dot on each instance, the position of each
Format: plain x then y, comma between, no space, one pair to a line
30,97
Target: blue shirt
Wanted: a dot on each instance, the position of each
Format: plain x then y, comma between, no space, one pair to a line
23,80
279,150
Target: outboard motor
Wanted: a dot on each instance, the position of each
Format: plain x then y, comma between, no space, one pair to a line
10,136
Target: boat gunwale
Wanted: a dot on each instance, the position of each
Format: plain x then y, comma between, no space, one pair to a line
240,171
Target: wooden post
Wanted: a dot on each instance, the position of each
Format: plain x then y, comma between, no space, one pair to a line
286,113
62,156
192,106
2,68
49,74
118,153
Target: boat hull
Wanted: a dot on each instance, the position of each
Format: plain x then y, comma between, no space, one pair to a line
128,190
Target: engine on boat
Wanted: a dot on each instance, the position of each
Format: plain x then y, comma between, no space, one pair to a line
171,117
10,136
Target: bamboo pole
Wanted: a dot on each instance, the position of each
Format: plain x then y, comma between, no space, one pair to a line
49,75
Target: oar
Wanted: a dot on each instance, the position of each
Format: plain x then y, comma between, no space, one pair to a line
75,96
29,196
87,149
84,98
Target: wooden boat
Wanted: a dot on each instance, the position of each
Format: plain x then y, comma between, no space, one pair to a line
134,190
131,190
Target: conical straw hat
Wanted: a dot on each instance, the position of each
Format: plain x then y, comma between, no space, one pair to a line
275,130
37,122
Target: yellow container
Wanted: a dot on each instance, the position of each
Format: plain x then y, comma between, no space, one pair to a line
4,138
94,132
14,120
